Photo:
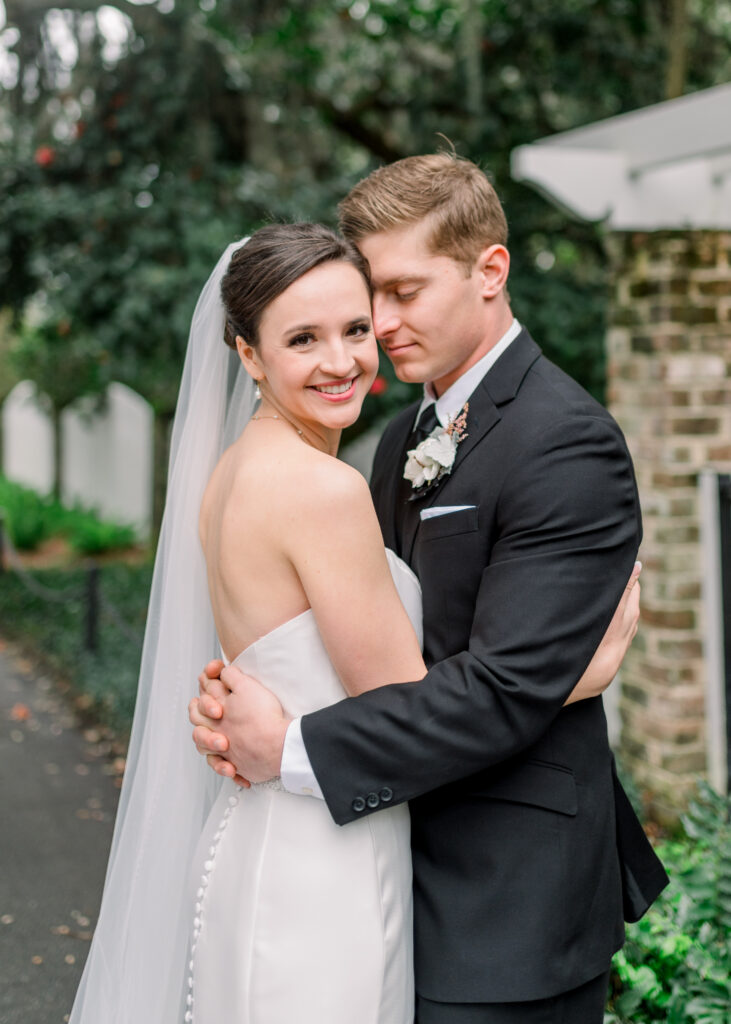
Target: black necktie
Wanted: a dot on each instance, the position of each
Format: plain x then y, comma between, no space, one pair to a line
426,422
424,425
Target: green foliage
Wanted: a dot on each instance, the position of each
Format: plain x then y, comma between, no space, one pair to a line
25,515
123,175
63,364
31,518
91,536
53,631
676,964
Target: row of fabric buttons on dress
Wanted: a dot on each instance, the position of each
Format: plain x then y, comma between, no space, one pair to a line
200,900
372,800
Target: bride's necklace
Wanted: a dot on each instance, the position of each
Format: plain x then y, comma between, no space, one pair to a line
276,417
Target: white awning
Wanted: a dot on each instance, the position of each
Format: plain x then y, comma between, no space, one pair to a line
665,166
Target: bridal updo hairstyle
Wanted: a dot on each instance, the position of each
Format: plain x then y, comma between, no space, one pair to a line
274,258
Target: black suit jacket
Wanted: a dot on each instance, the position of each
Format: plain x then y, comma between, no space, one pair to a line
525,849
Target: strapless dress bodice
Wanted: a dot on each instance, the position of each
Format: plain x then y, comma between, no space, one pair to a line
292,658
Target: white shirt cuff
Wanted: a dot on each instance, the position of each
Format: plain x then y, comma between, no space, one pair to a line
296,771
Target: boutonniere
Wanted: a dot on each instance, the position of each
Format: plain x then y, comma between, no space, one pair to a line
434,457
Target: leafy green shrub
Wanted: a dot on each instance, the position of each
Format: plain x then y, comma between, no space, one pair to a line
25,515
89,535
676,964
31,518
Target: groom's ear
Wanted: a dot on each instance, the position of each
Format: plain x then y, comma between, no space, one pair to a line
248,356
493,265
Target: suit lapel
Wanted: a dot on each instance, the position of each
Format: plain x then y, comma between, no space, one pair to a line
499,386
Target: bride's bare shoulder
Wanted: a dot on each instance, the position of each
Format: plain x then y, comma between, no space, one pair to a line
294,480
315,481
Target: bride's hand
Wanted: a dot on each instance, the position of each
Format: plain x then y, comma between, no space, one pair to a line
608,656
247,728
204,712
212,689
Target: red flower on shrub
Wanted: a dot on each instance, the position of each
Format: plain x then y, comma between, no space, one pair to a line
379,385
44,156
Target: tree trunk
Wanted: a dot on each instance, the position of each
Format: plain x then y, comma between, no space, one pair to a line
471,46
677,50
160,455
57,452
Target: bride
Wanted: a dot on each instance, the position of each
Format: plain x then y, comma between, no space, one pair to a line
250,906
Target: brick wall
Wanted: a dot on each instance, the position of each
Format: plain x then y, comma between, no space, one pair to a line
669,370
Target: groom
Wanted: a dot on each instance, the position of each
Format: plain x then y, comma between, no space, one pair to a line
526,853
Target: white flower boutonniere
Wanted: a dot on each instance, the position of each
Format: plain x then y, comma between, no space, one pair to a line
434,457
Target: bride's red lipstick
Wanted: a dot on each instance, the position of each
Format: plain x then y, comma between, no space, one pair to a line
341,396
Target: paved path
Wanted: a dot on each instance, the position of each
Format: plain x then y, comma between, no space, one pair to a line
58,795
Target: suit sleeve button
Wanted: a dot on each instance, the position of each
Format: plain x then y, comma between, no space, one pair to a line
373,800
358,804
386,794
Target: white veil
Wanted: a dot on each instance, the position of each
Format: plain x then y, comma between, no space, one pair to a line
137,964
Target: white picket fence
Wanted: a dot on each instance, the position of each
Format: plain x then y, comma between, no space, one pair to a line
107,455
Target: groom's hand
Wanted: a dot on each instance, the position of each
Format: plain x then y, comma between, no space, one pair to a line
240,712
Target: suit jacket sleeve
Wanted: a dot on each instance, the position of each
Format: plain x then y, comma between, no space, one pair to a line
568,531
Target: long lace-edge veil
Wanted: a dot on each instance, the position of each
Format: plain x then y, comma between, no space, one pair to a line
137,964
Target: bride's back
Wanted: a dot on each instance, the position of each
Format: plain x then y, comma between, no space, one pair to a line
251,513
248,513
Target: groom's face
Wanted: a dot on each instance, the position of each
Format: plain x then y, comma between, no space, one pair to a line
429,312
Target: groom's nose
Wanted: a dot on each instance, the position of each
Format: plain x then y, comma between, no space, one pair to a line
386,319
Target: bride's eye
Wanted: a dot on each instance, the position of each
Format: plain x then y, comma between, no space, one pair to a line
301,340
359,329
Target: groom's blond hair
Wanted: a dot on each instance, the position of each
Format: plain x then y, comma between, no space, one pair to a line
452,192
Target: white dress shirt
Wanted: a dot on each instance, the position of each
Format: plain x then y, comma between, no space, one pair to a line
296,771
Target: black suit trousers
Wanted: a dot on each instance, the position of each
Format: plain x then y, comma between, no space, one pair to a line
582,1005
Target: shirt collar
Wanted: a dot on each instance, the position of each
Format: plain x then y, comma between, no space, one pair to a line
451,402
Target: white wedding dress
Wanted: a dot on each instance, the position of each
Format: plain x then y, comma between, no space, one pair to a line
296,920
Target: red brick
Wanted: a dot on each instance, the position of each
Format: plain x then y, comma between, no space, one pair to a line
696,425
664,619
681,650
722,453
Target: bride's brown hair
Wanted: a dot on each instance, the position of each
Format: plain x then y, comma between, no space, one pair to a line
274,258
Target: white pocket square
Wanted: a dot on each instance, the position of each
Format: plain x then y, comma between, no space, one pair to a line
442,510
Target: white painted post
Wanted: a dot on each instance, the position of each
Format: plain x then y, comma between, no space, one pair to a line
713,630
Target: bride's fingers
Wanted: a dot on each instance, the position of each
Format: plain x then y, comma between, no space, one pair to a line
633,610
221,766
634,576
227,770
209,742
210,706
211,684
213,668
196,716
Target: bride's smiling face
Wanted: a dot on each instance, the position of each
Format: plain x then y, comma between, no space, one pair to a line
316,351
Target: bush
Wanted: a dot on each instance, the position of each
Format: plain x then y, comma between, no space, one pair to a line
676,964
31,518
25,515
89,535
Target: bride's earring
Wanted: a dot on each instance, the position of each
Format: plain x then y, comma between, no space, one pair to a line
257,392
